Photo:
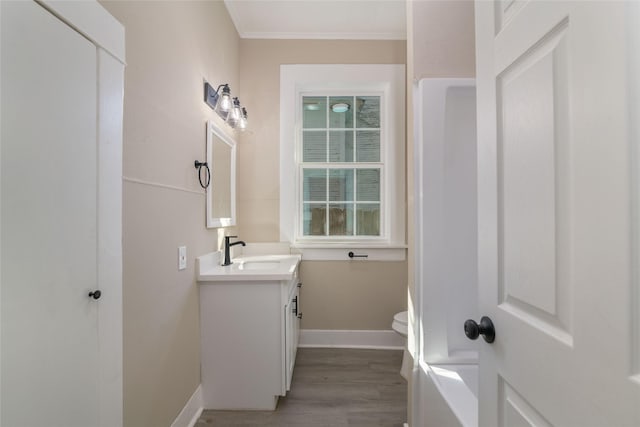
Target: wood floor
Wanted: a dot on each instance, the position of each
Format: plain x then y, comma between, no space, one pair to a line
332,388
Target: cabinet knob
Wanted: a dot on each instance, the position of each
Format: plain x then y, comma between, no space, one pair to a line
95,294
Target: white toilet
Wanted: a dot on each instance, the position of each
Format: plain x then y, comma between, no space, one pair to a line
399,325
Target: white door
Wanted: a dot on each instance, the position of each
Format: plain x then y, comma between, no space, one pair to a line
556,268
49,221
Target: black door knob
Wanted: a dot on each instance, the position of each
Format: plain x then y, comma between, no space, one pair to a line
472,330
95,294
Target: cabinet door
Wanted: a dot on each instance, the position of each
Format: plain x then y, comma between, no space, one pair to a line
295,327
290,311
49,221
292,331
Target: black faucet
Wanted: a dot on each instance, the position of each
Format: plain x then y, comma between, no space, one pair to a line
227,245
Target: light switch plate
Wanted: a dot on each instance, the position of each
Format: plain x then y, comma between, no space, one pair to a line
182,257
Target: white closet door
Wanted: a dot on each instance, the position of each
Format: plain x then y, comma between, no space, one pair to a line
555,233
48,221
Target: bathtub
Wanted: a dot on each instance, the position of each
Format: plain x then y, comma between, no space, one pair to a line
446,375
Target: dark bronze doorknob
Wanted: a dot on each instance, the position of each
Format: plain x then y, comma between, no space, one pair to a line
472,330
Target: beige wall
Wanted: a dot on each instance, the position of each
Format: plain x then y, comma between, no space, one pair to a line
337,295
352,295
171,48
443,38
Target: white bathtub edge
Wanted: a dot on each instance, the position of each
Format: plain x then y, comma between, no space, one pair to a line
461,400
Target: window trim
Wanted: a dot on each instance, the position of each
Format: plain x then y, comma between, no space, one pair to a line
386,80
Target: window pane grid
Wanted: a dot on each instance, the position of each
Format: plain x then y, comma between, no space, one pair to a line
345,219
341,201
341,167
341,145
345,129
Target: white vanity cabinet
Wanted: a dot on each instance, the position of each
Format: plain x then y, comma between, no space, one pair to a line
249,328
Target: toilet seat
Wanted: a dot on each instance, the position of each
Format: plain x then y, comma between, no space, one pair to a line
399,323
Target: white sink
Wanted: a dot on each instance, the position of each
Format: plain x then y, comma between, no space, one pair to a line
258,265
247,268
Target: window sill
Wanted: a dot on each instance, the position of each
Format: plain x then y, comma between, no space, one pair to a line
340,251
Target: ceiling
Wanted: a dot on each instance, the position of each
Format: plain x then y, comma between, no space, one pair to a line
319,19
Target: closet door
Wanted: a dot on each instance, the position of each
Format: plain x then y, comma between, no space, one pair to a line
48,164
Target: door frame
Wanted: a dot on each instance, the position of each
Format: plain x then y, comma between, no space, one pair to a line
633,68
414,338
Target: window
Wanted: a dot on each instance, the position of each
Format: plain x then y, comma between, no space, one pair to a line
341,166
342,158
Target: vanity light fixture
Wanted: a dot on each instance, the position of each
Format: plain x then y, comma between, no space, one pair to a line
340,107
221,102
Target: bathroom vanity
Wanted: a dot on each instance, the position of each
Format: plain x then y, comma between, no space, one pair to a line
249,327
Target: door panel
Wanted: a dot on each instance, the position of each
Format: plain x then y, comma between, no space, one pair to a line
515,411
505,10
554,193
533,163
49,221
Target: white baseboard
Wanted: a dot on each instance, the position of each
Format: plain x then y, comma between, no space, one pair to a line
381,340
191,412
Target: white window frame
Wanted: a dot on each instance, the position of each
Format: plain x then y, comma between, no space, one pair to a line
385,80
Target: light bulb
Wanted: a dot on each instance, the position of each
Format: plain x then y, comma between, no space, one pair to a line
243,122
235,114
224,103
